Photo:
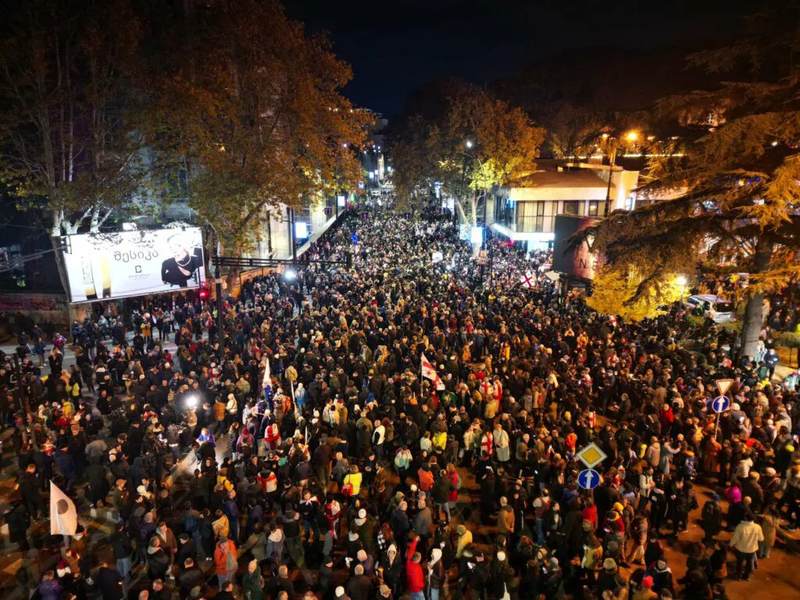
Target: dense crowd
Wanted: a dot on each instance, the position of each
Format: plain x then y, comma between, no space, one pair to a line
304,455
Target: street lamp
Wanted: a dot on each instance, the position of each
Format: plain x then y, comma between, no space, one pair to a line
632,136
468,144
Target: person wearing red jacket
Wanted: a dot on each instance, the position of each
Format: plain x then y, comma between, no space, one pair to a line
415,578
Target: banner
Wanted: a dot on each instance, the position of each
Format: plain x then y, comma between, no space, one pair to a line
63,516
102,266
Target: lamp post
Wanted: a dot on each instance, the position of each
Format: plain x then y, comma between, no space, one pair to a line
468,144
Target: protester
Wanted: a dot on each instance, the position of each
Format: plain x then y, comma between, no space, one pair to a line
432,445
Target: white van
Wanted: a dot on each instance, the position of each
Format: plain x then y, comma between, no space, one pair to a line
717,309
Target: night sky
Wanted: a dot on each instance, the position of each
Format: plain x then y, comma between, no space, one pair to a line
395,47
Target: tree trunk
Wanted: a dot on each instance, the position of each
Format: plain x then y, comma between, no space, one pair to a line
751,327
754,311
55,242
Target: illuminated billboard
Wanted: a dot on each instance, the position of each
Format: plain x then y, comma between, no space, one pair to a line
574,260
102,266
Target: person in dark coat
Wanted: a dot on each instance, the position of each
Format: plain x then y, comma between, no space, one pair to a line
30,487
109,582
19,520
711,517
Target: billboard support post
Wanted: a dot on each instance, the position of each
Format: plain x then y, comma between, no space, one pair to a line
220,317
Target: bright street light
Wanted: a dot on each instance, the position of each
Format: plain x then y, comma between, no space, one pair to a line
682,280
290,274
192,401
468,144
632,136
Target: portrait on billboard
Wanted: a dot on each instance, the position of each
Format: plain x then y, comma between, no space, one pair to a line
121,264
180,268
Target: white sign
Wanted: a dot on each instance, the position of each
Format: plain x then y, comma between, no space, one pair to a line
101,266
591,455
437,257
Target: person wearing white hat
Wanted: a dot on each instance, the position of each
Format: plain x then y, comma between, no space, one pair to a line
436,574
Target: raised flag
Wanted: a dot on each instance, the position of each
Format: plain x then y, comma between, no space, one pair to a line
428,372
528,279
63,516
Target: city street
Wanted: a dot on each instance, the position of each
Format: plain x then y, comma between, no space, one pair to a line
399,301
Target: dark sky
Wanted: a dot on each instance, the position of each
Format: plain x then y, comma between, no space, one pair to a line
394,47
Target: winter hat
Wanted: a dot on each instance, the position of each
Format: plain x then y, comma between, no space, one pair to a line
610,564
339,592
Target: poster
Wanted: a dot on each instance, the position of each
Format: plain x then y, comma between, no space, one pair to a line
571,258
104,266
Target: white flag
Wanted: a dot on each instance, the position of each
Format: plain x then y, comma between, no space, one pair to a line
63,516
267,381
428,372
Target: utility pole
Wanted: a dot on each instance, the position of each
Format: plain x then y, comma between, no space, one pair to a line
292,240
220,317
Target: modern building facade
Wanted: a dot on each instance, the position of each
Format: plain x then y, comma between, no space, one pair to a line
525,212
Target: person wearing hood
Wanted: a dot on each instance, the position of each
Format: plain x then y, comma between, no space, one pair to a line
436,574
662,577
711,517
392,568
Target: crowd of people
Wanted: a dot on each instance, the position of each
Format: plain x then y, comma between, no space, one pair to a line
305,452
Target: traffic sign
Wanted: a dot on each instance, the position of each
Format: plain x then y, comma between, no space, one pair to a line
591,455
720,404
723,385
588,479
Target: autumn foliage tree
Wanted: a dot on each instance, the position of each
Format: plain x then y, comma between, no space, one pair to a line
251,108
476,143
737,189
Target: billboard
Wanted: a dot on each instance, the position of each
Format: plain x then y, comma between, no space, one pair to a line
102,266
576,261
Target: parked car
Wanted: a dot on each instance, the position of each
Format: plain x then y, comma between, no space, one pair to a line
715,308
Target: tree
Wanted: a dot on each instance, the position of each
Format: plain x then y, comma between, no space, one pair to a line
251,109
478,142
740,180
614,293
69,140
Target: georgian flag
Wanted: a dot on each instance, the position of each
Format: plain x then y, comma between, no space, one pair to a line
428,372
528,279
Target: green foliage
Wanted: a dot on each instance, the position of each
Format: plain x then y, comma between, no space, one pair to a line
789,339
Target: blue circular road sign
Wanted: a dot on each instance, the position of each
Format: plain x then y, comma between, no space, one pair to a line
720,404
588,479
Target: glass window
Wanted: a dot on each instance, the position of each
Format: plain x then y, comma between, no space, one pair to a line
594,208
572,207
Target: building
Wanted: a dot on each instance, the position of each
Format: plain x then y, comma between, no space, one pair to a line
525,212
